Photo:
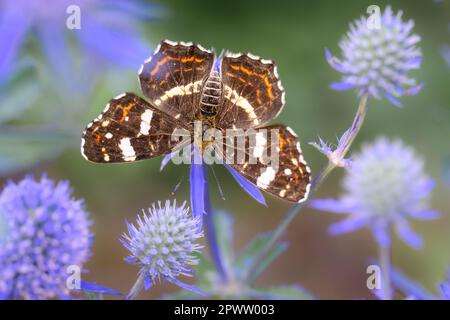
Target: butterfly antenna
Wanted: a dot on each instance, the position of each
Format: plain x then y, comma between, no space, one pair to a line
218,183
177,186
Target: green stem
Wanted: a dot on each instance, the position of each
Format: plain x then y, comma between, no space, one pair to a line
317,181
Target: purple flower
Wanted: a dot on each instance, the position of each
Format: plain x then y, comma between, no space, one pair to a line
385,187
108,32
43,231
376,60
163,244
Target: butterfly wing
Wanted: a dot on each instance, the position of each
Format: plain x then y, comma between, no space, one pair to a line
271,158
130,129
252,93
173,76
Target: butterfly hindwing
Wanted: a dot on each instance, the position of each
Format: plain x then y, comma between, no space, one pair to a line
172,78
277,165
129,129
253,94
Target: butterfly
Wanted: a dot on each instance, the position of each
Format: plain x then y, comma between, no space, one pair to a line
185,83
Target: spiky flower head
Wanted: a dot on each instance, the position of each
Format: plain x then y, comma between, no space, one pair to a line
43,231
163,243
385,186
377,58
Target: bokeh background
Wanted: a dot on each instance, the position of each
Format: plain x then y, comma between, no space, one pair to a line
45,136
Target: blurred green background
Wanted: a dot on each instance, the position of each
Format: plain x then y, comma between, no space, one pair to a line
293,34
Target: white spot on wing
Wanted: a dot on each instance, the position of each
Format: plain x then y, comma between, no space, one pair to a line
82,148
241,102
127,149
260,144
287,171
266,178
306,193
232,55
275,71
172,43
289,129
146,119
252,56
265,61
109,135
106,157
190,88
155,52
187,44
203,49
119,96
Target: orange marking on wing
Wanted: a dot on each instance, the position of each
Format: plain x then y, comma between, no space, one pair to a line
281,141
169,58
158,65
237,77
258,96
296,179
98,137
260,75
125,111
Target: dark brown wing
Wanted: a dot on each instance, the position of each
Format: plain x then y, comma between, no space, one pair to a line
271,159
253,94
173,76
129,129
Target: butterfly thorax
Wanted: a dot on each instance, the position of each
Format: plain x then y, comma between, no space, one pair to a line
211,98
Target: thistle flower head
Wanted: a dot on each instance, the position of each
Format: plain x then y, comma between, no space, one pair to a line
163,244
376,59
386,185
43,230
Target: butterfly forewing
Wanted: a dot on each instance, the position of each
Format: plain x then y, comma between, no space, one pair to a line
172,78
253,94
273,161
129,129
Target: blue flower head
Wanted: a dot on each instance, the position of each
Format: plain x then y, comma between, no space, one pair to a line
376,60
43,230
385,186
163,244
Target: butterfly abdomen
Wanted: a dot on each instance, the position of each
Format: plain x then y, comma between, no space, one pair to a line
211,95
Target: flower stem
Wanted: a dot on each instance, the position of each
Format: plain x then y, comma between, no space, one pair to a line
385,261
316,182
211,235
